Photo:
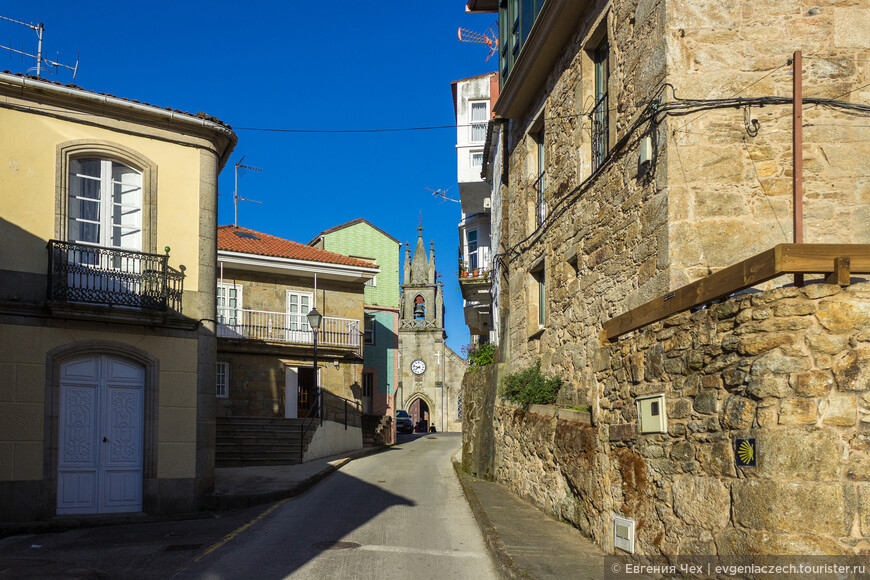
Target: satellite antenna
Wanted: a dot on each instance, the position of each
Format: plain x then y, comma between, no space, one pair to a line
442,193
236,198
489,38
39,29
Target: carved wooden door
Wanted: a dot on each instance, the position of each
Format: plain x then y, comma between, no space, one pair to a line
100,443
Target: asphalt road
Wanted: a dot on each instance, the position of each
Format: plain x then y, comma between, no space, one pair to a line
398,514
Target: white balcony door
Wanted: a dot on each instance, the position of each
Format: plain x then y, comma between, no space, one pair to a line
105,204
100,444
229,309
105,209
298,307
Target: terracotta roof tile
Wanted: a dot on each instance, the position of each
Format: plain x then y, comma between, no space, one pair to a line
352,223
198,115
246,241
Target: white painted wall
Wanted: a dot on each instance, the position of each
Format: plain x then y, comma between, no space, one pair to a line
495,224
332,438
472,90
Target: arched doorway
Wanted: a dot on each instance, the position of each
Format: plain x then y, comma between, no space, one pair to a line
101,435
419,411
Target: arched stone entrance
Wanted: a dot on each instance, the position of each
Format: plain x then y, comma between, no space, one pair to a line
420,410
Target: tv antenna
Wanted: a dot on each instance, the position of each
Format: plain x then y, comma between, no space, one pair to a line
489,38
236,198
442,193
39,29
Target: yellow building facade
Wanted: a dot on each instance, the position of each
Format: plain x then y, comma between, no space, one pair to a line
107,274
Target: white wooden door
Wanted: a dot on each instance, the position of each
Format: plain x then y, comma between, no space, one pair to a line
291,392
298,307
101,436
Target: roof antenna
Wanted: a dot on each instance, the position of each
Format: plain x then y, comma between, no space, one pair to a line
489,38
39,29
442,193
236,198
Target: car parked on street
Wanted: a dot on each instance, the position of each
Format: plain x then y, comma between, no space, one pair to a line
404,423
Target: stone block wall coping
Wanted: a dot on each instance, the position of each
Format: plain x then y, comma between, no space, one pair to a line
551,412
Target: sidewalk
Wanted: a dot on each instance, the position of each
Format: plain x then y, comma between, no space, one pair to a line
523,541
241,487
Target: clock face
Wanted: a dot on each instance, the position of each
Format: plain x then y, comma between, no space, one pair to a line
418,367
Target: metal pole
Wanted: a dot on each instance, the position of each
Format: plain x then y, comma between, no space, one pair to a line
39,30
317,381
797,157
236,198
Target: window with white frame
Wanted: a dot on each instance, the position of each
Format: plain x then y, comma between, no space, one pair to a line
369,329
471,248
477,158
222,380
105,204
229,304
479,118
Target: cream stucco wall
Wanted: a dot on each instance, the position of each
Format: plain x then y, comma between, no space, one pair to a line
29,179
22,396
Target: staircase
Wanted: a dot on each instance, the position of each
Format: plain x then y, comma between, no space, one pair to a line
376,430
246,441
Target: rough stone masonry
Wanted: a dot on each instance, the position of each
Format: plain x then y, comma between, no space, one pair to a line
789,367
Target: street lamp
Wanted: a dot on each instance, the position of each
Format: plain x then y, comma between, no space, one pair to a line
314,319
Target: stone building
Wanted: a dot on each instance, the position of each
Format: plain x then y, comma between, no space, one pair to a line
107,335
363,240
431,373
647,145
266,383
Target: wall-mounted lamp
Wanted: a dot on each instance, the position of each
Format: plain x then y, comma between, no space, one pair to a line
645,158
336,364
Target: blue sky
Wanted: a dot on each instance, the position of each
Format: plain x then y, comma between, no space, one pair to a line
295,65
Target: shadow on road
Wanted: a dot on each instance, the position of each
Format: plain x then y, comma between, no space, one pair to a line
295,532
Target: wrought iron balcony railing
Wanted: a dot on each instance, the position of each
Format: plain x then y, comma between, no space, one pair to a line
114,277
284,327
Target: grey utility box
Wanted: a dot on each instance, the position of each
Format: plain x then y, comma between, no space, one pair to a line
651,414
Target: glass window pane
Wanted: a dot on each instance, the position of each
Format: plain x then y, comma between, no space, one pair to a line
84,187
89,167
478,111
478,132
89,233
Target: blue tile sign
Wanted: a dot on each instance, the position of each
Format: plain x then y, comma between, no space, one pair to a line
745,452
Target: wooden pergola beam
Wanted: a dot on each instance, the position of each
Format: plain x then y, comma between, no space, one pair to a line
838,260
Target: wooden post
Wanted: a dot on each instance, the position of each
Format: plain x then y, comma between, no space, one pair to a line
842,271
797,156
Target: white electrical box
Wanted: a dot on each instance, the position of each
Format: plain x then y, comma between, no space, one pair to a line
487,203
651,414
623,534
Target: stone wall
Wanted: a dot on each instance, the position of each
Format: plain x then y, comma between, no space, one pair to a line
719,185
788,367
479,387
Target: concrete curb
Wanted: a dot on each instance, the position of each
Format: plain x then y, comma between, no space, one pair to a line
503,562
212,503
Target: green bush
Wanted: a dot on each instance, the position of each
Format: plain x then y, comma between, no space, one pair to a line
530,387
481,354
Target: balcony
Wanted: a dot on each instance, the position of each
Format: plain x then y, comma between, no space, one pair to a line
84,274
287,328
